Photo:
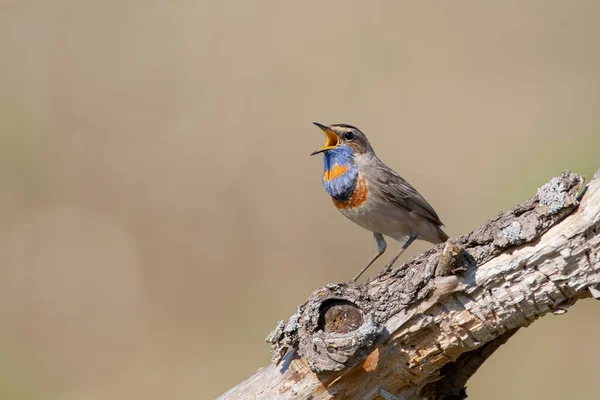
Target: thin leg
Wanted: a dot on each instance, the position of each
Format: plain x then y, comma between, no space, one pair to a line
381,246
411,239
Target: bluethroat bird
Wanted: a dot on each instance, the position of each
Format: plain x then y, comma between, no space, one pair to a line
372,195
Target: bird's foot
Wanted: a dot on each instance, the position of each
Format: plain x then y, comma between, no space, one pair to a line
386,269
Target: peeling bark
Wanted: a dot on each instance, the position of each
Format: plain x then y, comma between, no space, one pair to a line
421,331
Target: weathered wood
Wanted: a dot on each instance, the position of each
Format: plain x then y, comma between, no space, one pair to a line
423,330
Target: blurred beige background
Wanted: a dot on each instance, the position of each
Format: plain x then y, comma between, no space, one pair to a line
159,211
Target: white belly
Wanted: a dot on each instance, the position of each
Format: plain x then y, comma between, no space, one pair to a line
396,224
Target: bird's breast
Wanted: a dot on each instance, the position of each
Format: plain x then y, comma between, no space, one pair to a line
340,181
356,199
347,188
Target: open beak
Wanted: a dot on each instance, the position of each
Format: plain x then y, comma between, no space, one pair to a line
332,139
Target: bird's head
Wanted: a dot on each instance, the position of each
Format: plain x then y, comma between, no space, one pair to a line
343,137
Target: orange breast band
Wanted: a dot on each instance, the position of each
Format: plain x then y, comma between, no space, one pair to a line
358,198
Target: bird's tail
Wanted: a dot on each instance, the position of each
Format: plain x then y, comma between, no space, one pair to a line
441,235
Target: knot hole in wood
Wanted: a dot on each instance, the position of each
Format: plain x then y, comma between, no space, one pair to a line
339,316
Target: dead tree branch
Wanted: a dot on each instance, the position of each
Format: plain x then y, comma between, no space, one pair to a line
423,330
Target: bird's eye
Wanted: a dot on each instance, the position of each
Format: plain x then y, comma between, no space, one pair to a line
348,135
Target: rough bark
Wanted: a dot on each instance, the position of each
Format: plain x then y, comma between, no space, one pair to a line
421,331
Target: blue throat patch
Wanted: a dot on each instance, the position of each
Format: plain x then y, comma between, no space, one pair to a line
340,187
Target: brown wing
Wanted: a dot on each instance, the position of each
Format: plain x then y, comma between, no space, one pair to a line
398,191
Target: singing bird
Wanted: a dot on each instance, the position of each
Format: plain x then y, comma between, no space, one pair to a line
372,195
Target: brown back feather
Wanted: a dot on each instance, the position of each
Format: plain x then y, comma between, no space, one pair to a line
398,191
